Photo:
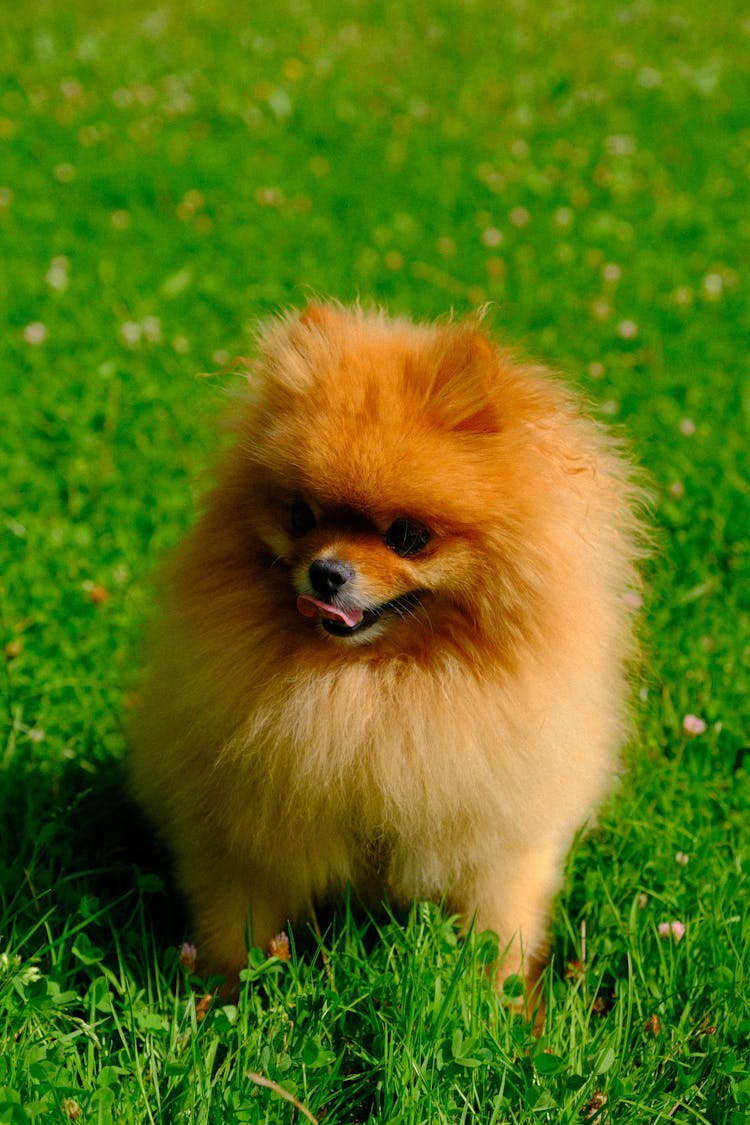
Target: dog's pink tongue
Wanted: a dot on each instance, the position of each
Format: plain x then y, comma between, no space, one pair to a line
311,607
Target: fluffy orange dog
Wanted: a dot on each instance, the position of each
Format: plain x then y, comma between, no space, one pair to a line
395,646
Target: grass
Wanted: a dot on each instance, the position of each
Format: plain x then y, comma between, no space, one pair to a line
169,174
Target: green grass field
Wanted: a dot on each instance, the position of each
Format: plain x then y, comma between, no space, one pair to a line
168,175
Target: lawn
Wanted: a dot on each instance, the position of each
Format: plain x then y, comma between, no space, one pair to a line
169,175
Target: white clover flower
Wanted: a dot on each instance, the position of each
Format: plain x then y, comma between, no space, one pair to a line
627,330
35,333
130,333
57,274
492,237
151,327
713,286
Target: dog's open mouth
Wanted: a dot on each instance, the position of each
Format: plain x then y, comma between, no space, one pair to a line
340,622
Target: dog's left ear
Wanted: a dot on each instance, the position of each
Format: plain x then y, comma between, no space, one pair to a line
462,389
308,336
318,315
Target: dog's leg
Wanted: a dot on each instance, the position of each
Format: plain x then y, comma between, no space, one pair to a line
230,912
514,902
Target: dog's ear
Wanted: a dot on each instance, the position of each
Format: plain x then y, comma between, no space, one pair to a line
300,339
320,316
461,392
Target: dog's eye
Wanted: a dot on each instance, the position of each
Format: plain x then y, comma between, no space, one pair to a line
406,538
301,518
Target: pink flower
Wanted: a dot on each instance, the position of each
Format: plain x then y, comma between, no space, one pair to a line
188,954
674,929
691,724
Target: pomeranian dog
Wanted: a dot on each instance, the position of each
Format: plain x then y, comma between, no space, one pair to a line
394,651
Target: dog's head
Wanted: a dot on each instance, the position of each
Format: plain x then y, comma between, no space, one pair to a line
399,476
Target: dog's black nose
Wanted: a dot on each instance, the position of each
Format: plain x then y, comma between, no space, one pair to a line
327,576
